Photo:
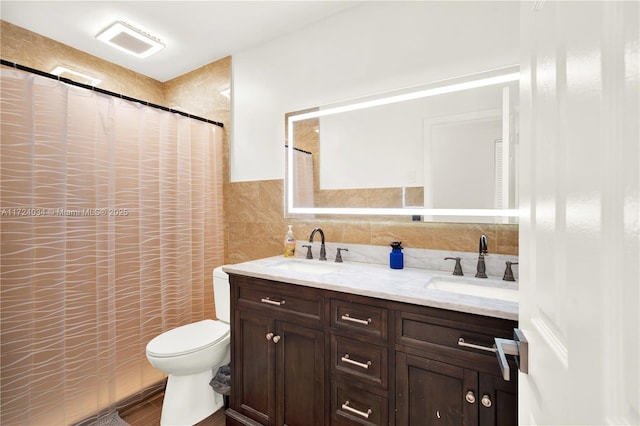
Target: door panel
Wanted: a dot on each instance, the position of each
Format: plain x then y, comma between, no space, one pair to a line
579,229
498,401
433,393
255,367
300,375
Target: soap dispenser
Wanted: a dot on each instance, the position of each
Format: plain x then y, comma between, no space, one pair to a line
289,244
396,257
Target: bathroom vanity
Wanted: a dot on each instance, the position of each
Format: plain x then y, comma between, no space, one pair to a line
319,343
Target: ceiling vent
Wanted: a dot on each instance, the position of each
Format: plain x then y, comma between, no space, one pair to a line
129,39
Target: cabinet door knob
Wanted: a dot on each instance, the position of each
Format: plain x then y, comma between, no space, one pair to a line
470,397
486,401
276,339
269,336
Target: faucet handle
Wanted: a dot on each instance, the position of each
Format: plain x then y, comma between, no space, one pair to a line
508,273
309,254
457,270
339,255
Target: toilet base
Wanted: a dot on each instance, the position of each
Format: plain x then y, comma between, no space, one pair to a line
189,399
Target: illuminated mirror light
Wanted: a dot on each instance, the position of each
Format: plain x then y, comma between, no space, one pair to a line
500,79
456,87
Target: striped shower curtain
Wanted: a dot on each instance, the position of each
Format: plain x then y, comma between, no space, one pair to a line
110,228
303,175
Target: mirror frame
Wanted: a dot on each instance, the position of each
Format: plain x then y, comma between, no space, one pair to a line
501,76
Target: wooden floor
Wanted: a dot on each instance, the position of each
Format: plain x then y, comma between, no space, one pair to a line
147,413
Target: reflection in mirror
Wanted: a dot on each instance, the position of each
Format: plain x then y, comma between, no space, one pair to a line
439,152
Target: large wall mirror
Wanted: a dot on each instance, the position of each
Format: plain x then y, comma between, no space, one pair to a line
444,151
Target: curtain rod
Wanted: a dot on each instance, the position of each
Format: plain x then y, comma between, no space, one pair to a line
298,149
106,92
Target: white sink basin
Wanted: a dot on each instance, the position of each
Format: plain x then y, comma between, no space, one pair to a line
472,288
307,266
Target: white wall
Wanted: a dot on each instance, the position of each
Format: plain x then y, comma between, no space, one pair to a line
463,164
369,48
388,141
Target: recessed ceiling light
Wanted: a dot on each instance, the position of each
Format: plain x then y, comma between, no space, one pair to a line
129,39
75,76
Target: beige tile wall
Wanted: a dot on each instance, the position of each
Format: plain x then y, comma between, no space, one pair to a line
255,227
254,217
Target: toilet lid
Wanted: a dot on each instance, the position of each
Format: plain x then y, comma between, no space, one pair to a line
188,338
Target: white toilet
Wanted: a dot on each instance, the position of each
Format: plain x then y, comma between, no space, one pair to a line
191,355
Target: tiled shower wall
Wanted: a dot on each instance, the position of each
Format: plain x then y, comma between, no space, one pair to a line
254,218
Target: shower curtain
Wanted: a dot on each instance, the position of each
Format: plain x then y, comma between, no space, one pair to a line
110,228
303,178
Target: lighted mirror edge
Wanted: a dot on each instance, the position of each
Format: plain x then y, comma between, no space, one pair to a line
405,212
490,81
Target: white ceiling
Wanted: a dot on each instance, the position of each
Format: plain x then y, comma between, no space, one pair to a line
195,33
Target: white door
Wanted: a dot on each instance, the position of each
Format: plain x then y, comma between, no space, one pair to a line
579,230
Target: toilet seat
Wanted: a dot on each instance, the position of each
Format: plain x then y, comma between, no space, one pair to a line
188,338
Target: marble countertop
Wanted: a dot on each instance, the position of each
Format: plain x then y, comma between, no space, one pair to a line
409,285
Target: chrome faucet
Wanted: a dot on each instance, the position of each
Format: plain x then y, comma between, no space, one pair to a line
323,251
482,251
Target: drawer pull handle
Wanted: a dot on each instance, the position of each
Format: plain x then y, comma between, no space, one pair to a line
269,336
272,302
366,415
346,358
464,344
347,317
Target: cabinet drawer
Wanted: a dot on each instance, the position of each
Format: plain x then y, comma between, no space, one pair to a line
359,360
426,332
362,319
296,300
353,406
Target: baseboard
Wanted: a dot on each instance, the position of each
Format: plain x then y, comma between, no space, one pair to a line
126,403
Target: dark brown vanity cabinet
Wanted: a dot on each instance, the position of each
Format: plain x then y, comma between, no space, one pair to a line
278,355
447,373
359,361
306,356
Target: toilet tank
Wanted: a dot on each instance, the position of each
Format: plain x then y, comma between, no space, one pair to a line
221,294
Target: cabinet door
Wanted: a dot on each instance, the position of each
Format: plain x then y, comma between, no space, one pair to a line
299,375
253,371
498,400
434,393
